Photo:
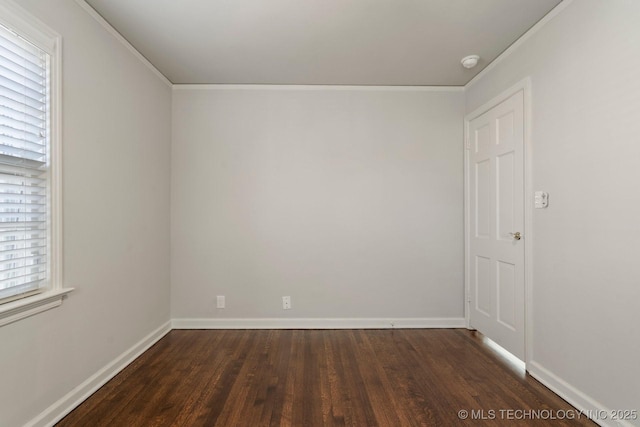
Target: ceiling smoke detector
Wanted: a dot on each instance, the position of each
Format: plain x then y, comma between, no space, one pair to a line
470,61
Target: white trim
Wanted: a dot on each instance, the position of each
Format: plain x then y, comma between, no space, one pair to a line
306,323
466,224
28,306
529,239
524,86
29,27
75,397
107,26
318,87
55,170
584,403
516,45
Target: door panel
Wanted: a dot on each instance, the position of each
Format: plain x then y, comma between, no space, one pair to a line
483,285
505,173
505,129
483,207
482,139
506,282
496,205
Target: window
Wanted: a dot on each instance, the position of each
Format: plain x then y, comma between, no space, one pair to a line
30,250
24,166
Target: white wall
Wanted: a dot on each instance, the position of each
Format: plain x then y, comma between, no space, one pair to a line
348,200
116,146
586,153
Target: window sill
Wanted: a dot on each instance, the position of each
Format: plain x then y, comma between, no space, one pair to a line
25,307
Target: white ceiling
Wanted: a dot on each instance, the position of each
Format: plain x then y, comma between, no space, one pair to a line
337,42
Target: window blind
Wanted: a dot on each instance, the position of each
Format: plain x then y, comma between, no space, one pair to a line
24,179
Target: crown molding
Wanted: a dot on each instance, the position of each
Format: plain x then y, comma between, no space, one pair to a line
318,87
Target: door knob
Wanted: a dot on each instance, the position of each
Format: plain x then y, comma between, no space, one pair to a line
516,235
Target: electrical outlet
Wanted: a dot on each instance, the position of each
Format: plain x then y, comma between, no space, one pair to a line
220,301
286,303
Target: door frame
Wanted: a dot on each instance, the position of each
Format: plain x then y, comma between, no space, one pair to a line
524,86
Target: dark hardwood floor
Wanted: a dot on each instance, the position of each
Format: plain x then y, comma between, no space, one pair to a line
418,377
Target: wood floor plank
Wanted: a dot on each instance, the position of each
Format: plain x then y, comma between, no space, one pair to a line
318,378
357,398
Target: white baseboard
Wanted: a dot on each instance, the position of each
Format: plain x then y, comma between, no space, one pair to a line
302,323
586,404
67,403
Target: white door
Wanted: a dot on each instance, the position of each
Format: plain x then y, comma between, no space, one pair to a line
496,219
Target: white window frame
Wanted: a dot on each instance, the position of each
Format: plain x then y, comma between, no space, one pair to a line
27,26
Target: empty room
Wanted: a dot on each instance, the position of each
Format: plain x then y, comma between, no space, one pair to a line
319,212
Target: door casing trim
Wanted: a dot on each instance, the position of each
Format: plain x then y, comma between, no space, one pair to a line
524,86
